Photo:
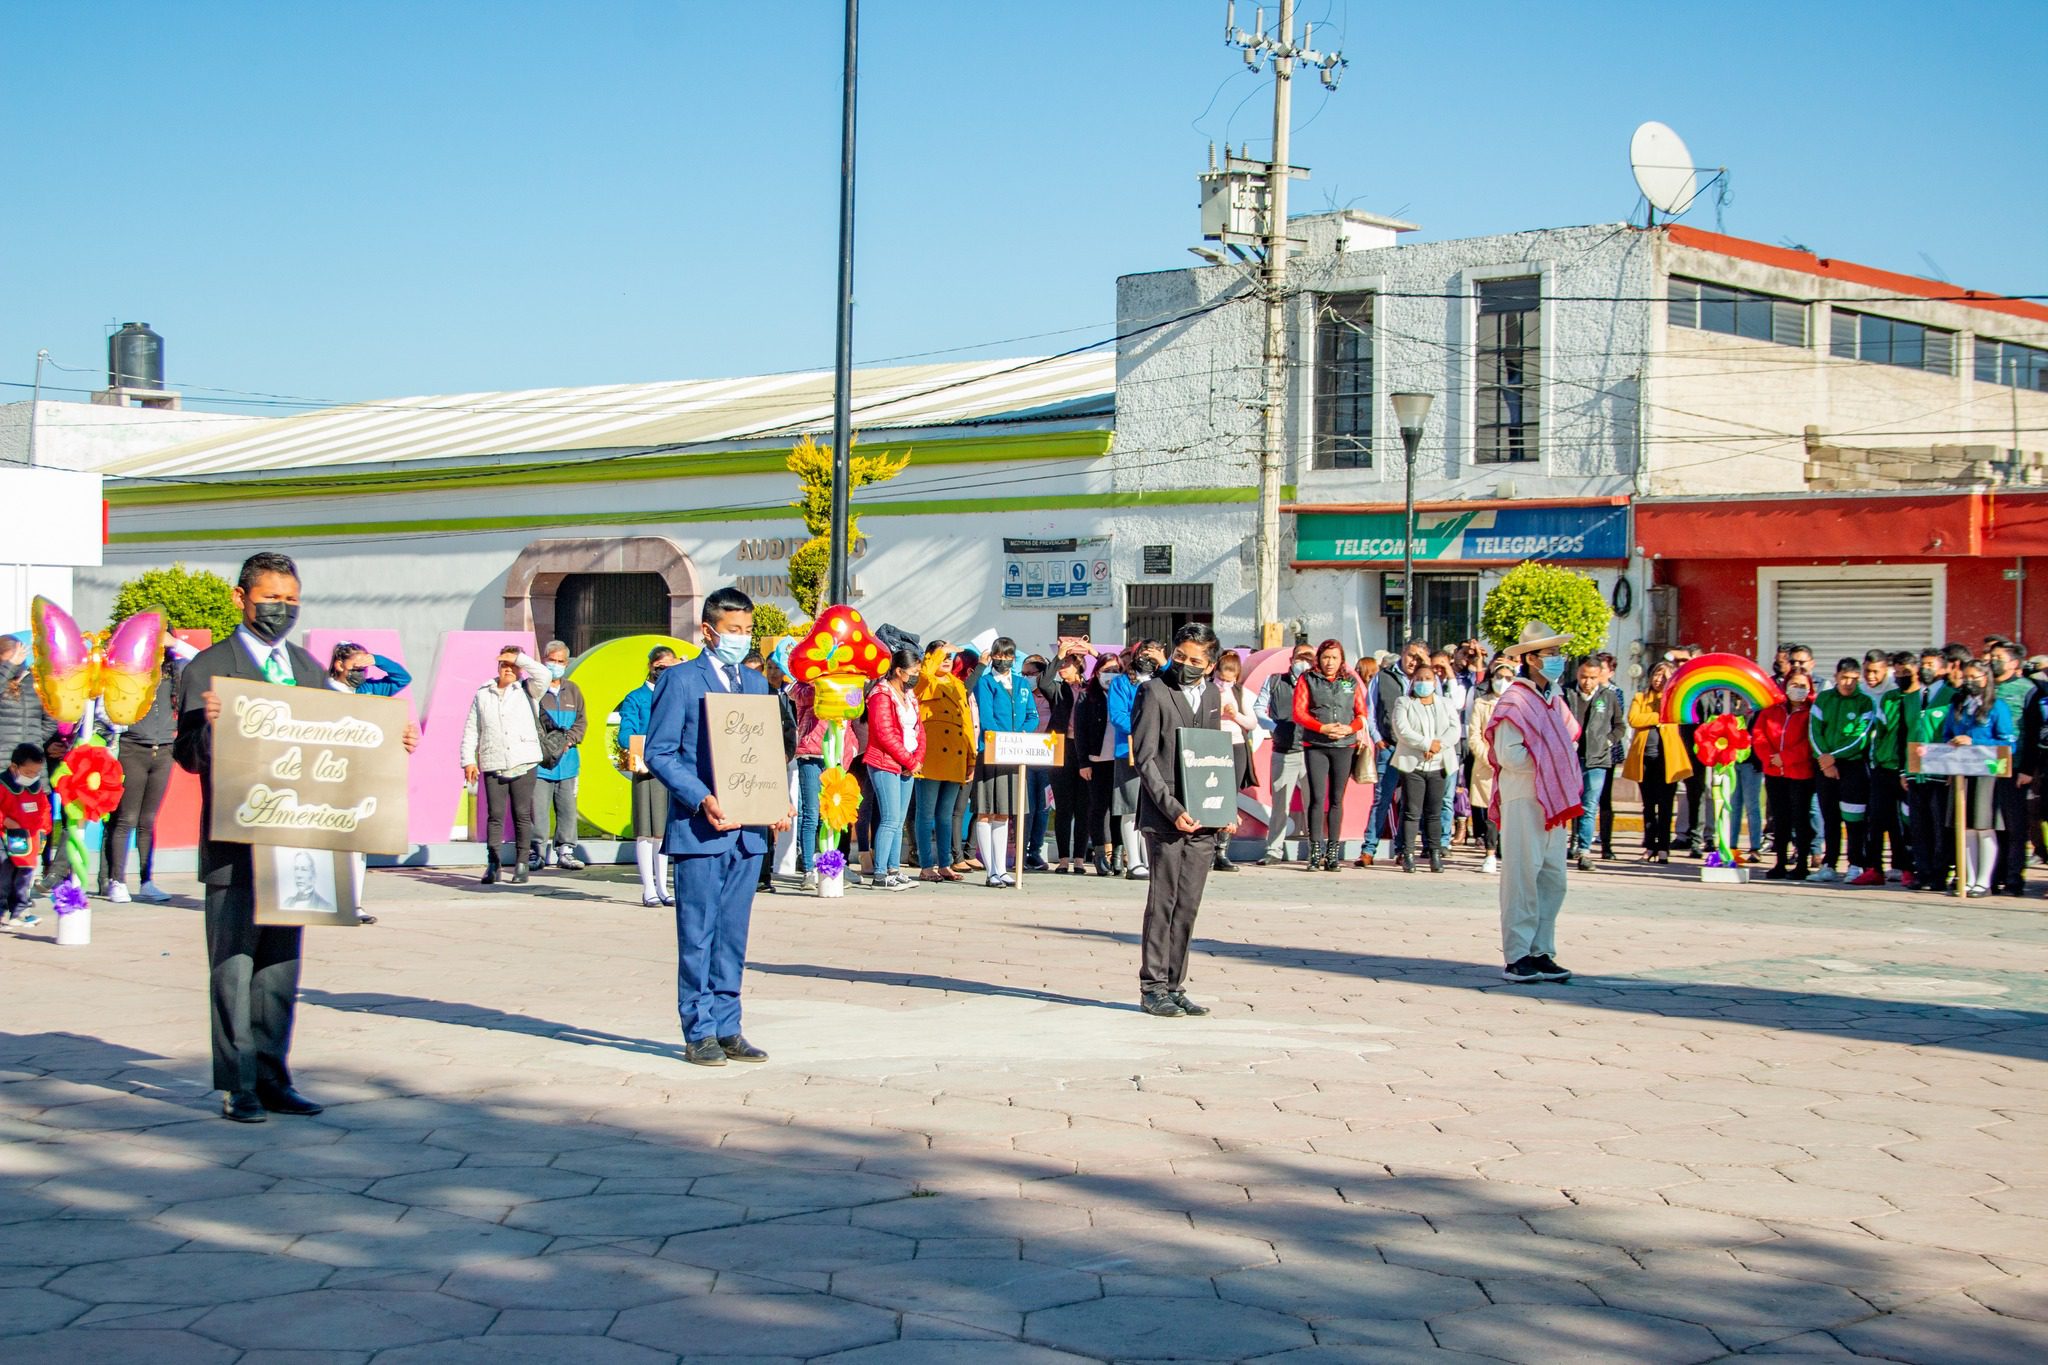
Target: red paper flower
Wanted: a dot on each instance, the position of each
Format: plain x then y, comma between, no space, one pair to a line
1722,740
92,783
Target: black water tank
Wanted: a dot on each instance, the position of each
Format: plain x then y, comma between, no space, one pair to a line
135,358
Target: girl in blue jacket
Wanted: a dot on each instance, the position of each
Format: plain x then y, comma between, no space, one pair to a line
1002,702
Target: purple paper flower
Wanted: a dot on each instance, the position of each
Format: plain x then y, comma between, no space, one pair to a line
1714,859
830,863
68,896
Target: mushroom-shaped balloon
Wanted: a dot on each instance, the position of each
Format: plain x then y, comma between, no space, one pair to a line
838,642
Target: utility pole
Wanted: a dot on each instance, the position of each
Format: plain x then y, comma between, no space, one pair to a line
1257,45
836,591
36,400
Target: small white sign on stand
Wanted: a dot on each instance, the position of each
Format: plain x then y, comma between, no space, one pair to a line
1033,749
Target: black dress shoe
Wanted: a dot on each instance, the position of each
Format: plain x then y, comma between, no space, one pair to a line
705,1052
1162,1004
242,1107
518,877
1187,1006
1223,864
285,1100
739,1049
362,918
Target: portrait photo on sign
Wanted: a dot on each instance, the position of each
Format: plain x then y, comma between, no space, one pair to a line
305,886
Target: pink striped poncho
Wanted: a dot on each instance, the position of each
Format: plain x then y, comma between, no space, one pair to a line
1552,737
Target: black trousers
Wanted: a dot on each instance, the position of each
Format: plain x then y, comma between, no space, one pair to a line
1657,800
253,988
1069,811
1886,820
1791,798
1102,819
1933,838
145,776
1180,871
1329,773
1607,812
2011,874
497,791
1422,801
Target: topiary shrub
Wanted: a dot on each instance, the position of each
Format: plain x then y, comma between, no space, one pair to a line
1570,603
191,599
771,623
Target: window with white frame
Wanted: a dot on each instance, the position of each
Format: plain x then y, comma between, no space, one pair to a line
1507,363
1889,341
1344,382
1737,312
2011,364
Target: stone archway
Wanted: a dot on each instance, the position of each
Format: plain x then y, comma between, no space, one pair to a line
535,575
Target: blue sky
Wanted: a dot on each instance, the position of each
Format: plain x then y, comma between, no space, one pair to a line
376,199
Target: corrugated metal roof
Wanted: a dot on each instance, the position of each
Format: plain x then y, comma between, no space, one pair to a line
679,415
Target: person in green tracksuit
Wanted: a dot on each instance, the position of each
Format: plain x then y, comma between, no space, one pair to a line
1840,730
1888,815
1921,716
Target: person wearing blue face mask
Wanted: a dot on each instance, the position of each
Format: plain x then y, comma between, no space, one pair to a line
716,860
1425,754
563,720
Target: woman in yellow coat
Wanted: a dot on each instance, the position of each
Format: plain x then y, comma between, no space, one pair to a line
948,762
1657,763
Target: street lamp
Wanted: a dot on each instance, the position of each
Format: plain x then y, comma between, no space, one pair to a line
1411,410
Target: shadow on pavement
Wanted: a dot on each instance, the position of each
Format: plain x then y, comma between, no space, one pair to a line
642,1217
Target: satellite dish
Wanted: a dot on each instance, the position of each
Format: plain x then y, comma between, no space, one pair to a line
1664,169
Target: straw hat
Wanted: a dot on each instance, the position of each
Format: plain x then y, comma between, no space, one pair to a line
1535,635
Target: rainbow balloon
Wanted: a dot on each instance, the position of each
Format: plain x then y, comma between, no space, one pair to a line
1716,673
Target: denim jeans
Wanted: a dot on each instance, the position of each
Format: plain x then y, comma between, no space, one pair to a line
1038,783
1749,805
1589,796
808,773
892,803
935,802
1382,799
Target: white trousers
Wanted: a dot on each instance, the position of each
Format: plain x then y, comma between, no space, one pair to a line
1531,880
785,842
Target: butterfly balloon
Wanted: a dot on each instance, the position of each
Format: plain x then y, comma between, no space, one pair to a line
121,667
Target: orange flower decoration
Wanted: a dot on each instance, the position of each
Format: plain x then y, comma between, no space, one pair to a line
838,799
91,781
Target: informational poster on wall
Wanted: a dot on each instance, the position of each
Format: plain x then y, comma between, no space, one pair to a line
1057,573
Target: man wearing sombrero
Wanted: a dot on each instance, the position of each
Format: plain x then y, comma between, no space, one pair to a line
1533,744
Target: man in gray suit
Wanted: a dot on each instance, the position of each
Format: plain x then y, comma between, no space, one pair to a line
1182,850
254,967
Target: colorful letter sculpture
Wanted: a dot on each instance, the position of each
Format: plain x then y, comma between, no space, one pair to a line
838,657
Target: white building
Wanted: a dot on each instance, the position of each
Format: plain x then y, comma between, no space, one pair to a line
1575,371
596,512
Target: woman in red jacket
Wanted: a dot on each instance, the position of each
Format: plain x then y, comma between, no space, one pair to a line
1784,748
1330,711
895,749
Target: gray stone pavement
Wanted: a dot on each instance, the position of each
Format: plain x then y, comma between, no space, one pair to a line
1787,1122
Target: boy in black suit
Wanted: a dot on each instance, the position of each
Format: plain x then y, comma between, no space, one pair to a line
254,969
1182,851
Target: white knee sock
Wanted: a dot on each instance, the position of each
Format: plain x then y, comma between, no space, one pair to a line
999,835
985,844
644,853
1983,858
1134,848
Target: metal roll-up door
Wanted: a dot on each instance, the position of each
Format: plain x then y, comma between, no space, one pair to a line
1840,618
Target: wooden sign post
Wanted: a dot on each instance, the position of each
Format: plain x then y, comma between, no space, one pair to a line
1959,763
1037,749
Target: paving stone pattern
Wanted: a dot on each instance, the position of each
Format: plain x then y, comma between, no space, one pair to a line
1797,1123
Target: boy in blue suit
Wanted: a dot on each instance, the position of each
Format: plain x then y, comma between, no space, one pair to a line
717,862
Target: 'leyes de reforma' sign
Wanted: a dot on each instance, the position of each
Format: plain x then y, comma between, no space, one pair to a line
309,767
1489,534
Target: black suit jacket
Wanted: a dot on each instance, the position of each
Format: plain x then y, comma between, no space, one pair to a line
1162,711
221,864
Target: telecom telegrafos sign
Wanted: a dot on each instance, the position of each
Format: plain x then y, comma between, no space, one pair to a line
1491,535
